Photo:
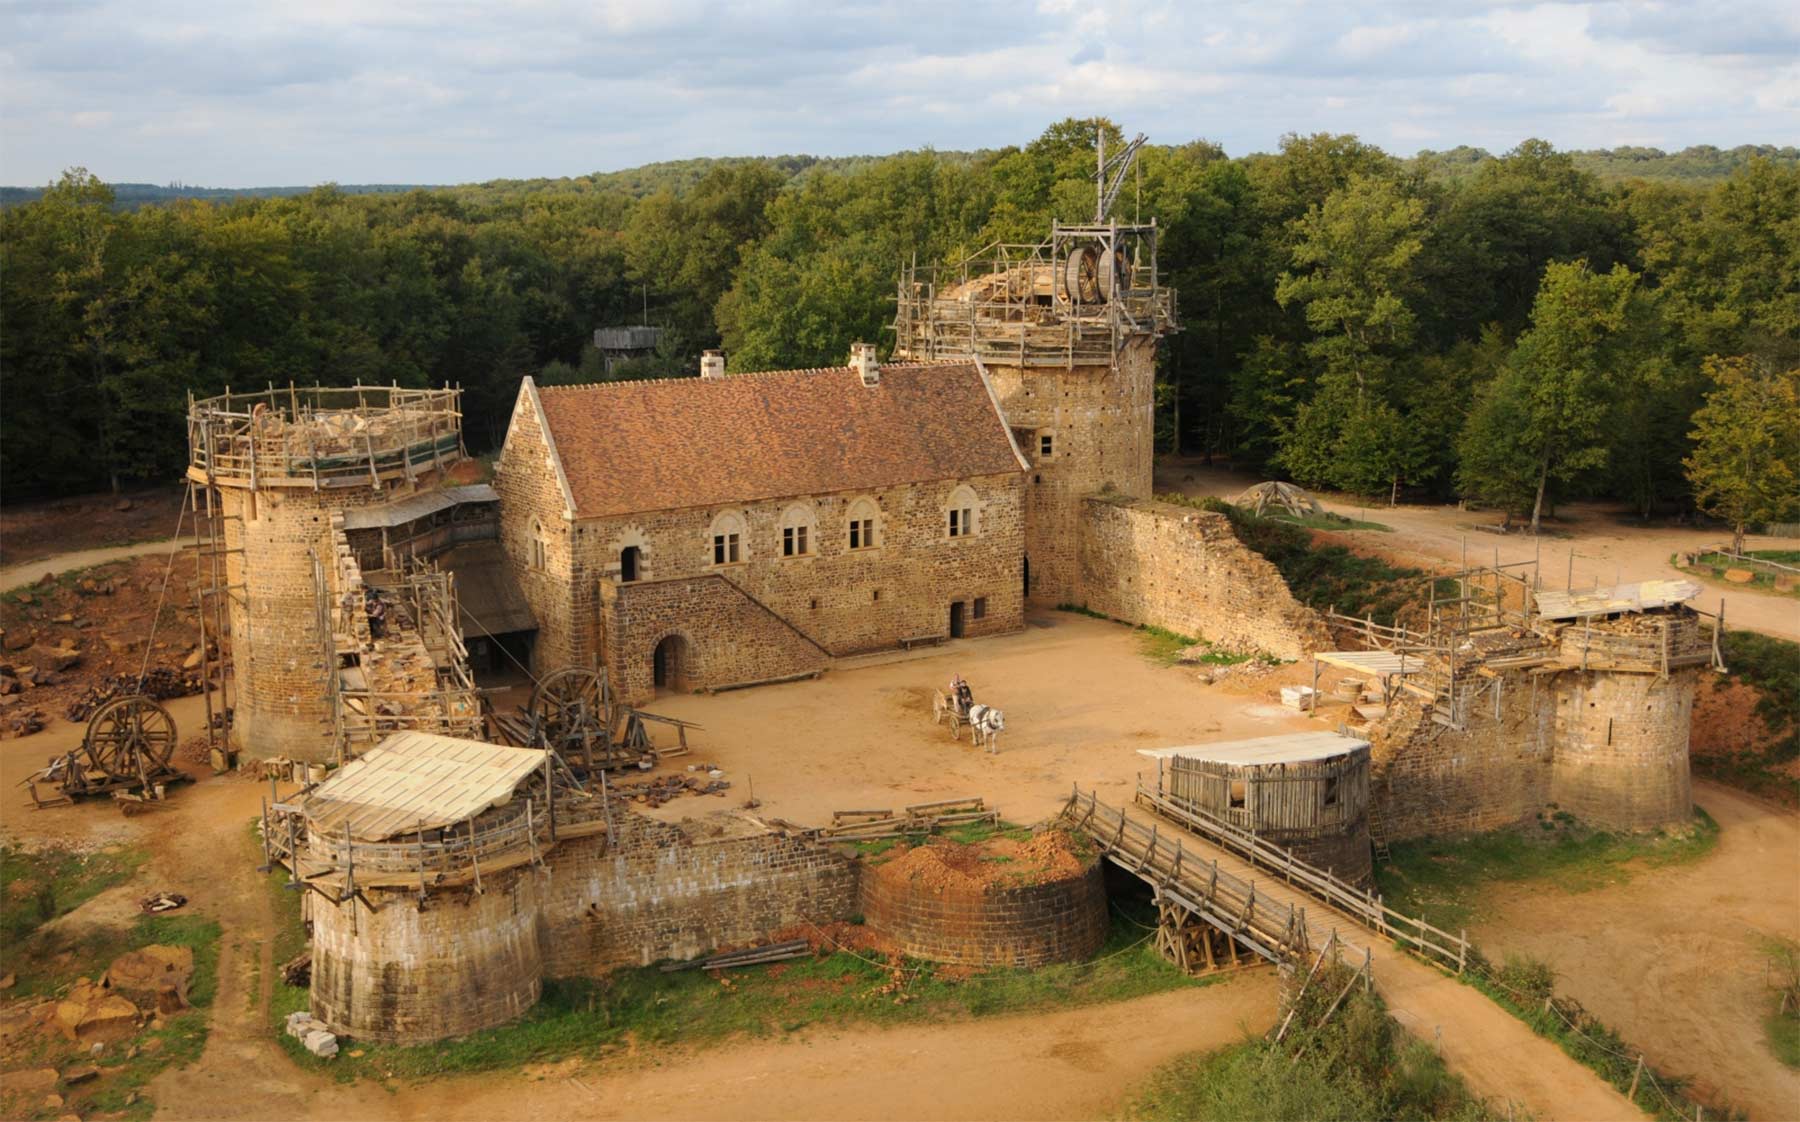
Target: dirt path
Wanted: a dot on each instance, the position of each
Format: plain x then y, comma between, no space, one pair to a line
30,572
1607,548
1672,958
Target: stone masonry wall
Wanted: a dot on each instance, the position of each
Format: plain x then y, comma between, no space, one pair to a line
1150,562
844,600
404,973
988,925
1430,779
1100,421
1622,748
278,653
562,595
662,892
727,639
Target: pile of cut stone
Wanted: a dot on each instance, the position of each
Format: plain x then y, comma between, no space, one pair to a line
312,1033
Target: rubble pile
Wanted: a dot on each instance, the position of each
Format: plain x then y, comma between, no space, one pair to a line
160,684
312,1034
660,789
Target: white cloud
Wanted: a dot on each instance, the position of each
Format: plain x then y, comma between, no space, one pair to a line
233,94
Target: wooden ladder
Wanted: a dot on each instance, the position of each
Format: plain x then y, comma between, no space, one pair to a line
1378,836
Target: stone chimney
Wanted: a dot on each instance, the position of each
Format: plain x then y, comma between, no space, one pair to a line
712,364
863,361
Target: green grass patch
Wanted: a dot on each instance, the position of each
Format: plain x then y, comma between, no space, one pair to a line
47,962
1782,1025
1711,567
37,886
1329,521
647,1008
1446,879
1358,1065
1163,646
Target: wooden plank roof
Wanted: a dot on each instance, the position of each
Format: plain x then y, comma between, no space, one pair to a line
418,781
1379,663
1288,748
1638,597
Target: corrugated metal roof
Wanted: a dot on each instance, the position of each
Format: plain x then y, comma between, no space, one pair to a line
414,507
1289,748
1372,662
1637,597
418,781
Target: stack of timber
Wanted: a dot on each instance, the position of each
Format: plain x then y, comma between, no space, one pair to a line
920,818
748,956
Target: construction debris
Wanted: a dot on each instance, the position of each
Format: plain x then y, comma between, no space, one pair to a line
748,956
162,902
660,789
920,818
160,684
297,971
312,1034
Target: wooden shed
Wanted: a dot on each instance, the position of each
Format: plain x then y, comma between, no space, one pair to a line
1307,791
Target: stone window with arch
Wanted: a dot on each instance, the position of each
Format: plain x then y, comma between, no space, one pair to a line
864,524
963,511
728,539
799,531
537,544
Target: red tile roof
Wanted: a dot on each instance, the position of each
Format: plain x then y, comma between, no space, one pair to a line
629,447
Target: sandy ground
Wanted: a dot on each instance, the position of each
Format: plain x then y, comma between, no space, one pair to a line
1673,958
30,572
1079,701
1607,545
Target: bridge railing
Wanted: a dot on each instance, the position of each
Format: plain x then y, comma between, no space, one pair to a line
1361,904
1183,877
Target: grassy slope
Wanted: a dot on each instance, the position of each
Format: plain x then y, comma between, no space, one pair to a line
1445,879
47,962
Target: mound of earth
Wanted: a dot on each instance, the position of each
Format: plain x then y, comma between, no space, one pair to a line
942,863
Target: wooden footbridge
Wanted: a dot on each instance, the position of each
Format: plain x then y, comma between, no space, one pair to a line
1219,888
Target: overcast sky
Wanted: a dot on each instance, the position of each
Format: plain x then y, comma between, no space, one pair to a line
237,93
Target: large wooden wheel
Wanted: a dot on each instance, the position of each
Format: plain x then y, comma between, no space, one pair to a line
572,710
130,736
1081,275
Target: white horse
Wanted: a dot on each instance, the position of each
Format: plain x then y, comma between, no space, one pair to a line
986,723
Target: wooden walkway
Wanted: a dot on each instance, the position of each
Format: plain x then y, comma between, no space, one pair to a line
1498,1055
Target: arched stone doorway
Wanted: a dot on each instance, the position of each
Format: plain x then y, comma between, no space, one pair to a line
669,664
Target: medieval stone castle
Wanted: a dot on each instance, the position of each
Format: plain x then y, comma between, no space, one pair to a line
744,528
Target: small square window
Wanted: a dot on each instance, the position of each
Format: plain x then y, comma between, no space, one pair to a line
1046,446
794,541
876,595
980,606
962,522
862,533
725,549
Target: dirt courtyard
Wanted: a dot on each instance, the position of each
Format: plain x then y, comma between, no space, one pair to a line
1079,696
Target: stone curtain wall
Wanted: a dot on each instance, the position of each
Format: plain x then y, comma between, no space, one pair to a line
1622,748
1101,423
988,925
1148,562
407,974
662,892
845,601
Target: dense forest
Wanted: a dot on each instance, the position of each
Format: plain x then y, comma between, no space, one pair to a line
1512,328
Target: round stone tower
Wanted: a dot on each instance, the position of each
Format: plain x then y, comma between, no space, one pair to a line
270,470
1066,331
1621,759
